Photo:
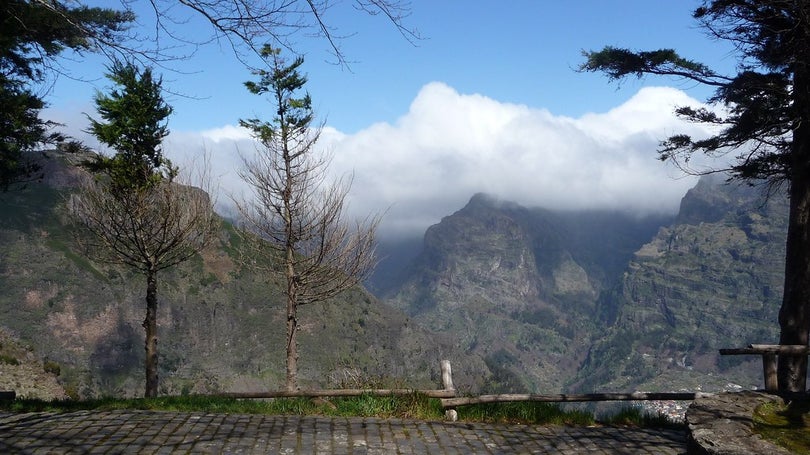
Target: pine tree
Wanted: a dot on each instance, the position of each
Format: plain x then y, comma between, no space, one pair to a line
134,125
32,35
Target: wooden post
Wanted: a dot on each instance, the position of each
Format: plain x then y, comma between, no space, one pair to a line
447,376
769,372
450,414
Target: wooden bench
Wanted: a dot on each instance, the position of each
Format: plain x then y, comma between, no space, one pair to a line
769,352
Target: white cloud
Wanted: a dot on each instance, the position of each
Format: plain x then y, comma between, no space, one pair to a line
226,133
449,146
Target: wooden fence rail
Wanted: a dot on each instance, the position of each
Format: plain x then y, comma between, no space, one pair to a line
563,398
340,393
450,400
769,353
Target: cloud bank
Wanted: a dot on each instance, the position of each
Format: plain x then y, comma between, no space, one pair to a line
449,146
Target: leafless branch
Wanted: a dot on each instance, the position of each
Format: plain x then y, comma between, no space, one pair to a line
150,229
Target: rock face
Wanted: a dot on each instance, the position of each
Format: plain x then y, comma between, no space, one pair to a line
518,299
711,280
596,301
519,286
25,373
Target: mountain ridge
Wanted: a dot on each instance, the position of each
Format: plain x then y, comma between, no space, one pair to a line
711,280
533,274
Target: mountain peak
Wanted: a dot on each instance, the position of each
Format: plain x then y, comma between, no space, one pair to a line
490,201
483,199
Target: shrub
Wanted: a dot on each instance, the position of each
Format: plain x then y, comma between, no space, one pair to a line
9,360
52,367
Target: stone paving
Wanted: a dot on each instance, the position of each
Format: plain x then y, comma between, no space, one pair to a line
153,432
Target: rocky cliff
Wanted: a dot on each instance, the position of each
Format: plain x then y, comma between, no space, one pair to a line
519,286
519,299
711,280
587,301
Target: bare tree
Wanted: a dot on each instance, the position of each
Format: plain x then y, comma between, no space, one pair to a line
296,214
148,230
135,212
253,23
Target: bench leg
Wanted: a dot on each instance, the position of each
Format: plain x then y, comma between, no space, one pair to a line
769,372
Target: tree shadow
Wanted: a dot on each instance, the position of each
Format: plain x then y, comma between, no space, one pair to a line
117,359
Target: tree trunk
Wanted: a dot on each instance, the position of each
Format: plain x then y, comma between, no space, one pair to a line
150,326
292,348
291,382
794,319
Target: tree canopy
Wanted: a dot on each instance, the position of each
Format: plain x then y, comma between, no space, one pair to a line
134,124
32,34
764,123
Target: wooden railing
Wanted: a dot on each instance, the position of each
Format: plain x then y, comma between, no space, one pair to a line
450,400
339,393
769,353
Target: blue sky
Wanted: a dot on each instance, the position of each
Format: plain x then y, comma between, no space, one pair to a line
487,100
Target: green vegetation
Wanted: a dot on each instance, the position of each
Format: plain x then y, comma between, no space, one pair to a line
52,367
411,406
786,425
636,417
528,413
9,360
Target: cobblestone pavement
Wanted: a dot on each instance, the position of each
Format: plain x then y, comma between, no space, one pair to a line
150,432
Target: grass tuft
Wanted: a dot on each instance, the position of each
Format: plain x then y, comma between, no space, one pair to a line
526,413
634,416
9,360
785,424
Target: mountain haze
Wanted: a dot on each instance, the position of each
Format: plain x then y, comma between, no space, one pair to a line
711,280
